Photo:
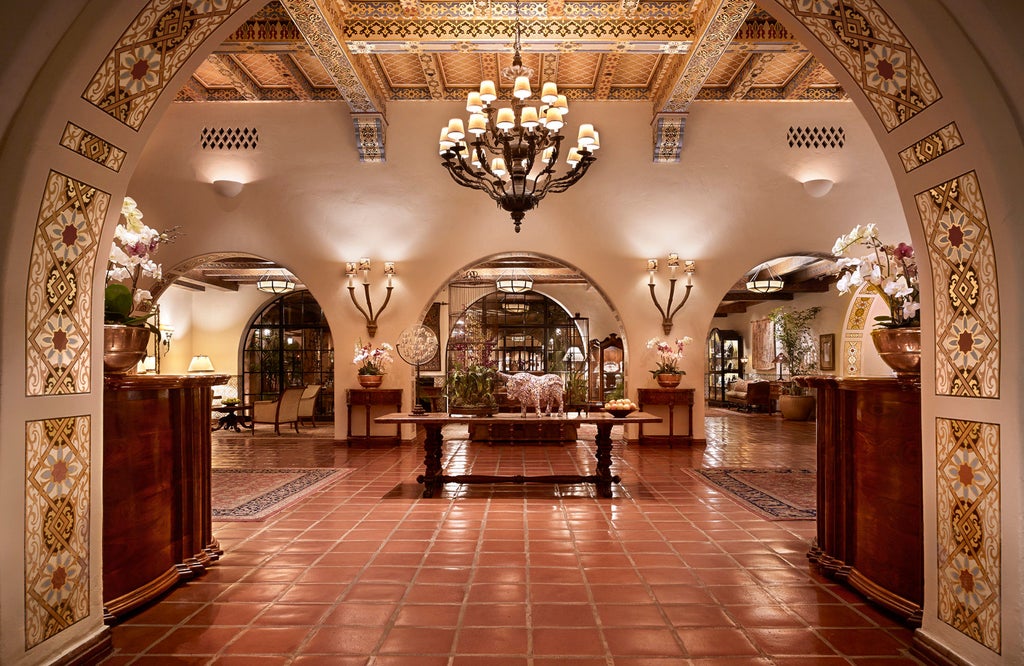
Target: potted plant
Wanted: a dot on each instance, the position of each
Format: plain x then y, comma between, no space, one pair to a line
798,351
470,390
127,308
373,363
891,272
667,371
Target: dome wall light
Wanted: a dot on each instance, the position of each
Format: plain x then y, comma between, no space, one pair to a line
764,281
228,188
818,187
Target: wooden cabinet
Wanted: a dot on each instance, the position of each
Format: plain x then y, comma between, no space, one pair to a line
724,364
367,401
870,513
679,405
157,519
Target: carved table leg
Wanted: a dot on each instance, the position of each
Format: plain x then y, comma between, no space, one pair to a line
431,478
604,460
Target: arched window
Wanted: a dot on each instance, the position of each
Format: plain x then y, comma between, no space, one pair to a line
289,344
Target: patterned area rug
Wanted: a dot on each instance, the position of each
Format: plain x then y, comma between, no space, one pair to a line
776,494
255,494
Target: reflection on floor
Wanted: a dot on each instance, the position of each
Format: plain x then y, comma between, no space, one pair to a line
669,571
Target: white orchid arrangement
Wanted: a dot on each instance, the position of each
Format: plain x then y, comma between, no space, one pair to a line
888,270
670,355
131,259
373,360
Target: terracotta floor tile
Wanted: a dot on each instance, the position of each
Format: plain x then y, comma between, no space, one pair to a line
668,572
268,640
642,641
567,642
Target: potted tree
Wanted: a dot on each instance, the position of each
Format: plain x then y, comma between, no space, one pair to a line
793,336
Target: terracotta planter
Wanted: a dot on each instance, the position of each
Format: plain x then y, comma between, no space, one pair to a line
123,347
796,407
668,380
900,349
370,381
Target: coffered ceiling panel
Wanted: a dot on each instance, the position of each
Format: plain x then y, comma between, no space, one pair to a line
595,50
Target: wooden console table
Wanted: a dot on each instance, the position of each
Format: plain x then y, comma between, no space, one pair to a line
367,399
672,397
870,513
157,519
434,478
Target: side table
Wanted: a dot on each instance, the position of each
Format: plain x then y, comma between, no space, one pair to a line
672,398
367,399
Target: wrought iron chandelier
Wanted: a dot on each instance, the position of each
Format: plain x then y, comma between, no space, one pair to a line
512,152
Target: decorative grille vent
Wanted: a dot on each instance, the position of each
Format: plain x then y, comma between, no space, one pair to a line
816,137
230,138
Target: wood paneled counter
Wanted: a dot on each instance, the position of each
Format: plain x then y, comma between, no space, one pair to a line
157,521
870,514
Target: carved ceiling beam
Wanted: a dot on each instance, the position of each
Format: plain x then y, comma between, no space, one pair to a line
321,23
603,85
799,83
240,81
747,76
715,25
297,81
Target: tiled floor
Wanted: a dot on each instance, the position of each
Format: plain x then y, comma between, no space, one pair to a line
669,571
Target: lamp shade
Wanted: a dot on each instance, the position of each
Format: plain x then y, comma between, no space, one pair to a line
515,282
763,281
275,284
200,363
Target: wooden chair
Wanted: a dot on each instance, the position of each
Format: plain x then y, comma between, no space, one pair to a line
307,403
283,410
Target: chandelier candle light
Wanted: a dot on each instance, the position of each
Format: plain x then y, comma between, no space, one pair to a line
513,151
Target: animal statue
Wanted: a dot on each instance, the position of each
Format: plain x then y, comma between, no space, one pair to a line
533,391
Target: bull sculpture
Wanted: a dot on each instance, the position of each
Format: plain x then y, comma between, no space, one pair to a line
534,391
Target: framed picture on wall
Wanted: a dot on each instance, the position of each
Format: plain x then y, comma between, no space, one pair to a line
827,351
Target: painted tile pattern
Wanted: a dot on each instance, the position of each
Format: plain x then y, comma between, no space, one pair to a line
84,142
967,325
57,497
934,145
853,335
58,328
150,52
969,539
866,41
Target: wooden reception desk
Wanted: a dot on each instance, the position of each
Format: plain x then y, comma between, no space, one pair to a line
870,511
157,524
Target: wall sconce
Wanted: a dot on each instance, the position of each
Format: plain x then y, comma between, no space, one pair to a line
200,363
228,188
668,312
818,187
363,267
166,333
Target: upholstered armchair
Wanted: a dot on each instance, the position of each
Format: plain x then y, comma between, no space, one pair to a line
283,410
307,403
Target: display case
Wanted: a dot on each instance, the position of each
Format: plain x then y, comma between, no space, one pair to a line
724,364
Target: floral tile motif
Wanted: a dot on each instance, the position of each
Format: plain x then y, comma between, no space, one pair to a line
57,498
58,327
150,52
969,539
873,50
853,335
967,324
934,145
86,143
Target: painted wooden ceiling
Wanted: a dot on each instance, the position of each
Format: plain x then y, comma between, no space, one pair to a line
668,53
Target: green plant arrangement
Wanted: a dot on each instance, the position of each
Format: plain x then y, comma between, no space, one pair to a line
793,336
471,386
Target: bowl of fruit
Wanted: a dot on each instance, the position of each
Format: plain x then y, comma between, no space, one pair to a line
620,408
